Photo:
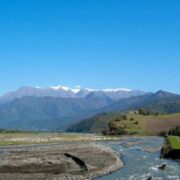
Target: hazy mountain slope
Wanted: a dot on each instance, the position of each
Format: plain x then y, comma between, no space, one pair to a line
66,92
160,101
46,113
93,124
36,92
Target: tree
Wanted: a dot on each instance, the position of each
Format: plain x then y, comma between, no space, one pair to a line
120,131
105,131
124,117
175,131
141,111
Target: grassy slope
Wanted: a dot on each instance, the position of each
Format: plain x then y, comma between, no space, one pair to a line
151,125
93,124
175,142
142,125
171,147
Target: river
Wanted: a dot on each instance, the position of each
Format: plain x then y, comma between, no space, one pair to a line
141,162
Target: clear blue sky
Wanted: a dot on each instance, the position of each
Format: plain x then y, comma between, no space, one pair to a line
93,43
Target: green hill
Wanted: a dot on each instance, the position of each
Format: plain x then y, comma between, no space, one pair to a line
132,123
93,124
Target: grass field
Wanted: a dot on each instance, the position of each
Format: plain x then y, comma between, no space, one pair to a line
149,125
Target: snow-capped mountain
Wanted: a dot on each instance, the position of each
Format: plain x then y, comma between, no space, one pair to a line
67,92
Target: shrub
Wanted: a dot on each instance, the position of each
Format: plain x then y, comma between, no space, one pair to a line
119,131
124,117
163,133
105,131
141,111
136,122
156,113
117,119
113,125
133,133
175,131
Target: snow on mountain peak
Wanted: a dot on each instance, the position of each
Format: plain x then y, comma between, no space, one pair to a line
65,88
78,89
60,87
117,89
75,90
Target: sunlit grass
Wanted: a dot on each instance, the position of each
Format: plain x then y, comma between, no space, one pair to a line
174,142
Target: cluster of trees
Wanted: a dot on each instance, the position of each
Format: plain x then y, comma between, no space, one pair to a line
8,131
116,128
175,131
147,112
114,131
121,118
172,132
2,130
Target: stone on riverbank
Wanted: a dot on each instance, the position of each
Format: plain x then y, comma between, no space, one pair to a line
163,167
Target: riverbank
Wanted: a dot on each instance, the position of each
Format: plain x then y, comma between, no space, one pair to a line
29,138
72,160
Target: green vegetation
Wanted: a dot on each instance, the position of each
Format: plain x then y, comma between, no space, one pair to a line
173,132
115,128
174,142
171,148
147,112
15,131
94,124
129,123
125,124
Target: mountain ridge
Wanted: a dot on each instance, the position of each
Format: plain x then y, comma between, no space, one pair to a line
160,102
52,113
66,92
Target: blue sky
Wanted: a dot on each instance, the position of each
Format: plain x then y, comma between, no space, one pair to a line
93,43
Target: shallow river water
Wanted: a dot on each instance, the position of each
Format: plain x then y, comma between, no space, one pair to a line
140,163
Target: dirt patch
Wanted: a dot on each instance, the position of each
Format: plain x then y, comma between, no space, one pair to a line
60,161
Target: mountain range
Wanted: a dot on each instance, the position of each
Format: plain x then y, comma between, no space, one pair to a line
66,92
160,102
57,108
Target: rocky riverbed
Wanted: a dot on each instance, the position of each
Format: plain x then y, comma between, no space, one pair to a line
75,160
